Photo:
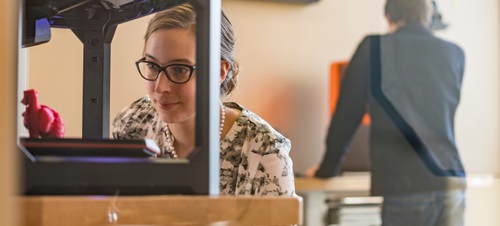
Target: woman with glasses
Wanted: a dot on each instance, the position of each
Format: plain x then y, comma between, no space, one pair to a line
254,157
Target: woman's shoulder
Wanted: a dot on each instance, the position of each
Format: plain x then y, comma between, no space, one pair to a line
134,120
141,103
140,108
255,129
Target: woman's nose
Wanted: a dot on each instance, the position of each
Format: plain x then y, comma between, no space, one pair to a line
163,84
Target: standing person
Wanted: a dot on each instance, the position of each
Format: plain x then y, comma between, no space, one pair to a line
254,158
409,81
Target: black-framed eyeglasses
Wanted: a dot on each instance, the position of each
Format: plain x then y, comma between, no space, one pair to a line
176,73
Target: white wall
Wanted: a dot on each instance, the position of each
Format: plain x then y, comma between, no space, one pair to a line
296,43
55,71
475,25
285,51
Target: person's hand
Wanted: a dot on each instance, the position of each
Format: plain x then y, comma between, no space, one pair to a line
311,171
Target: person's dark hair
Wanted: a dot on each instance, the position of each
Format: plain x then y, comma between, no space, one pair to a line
184,17
409,11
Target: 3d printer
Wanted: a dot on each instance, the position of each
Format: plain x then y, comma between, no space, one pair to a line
94,23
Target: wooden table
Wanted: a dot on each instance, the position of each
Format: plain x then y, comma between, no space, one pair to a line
159,210
348,184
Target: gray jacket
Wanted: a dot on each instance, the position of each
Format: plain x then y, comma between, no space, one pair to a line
411,96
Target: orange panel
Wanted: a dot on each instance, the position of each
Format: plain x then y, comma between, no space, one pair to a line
336,72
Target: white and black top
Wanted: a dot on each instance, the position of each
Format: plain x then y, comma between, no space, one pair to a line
254,157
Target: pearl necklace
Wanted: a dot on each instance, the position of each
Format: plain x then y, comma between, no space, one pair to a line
171,138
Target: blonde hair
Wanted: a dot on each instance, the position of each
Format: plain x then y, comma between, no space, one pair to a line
184,17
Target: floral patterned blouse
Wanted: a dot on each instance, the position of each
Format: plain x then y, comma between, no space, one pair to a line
254,157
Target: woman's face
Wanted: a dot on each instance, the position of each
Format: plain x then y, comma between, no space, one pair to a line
174,102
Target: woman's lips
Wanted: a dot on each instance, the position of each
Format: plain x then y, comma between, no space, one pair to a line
166,105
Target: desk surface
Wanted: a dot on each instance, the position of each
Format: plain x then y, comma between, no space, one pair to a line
160,210
349,183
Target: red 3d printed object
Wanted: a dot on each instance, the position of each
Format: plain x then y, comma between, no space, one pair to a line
40,120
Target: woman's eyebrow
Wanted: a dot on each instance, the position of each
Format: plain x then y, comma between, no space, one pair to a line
149,56
179,60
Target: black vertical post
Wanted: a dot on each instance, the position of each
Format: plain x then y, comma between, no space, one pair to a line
96,38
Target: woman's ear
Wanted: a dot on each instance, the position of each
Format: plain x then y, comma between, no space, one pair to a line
224,69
